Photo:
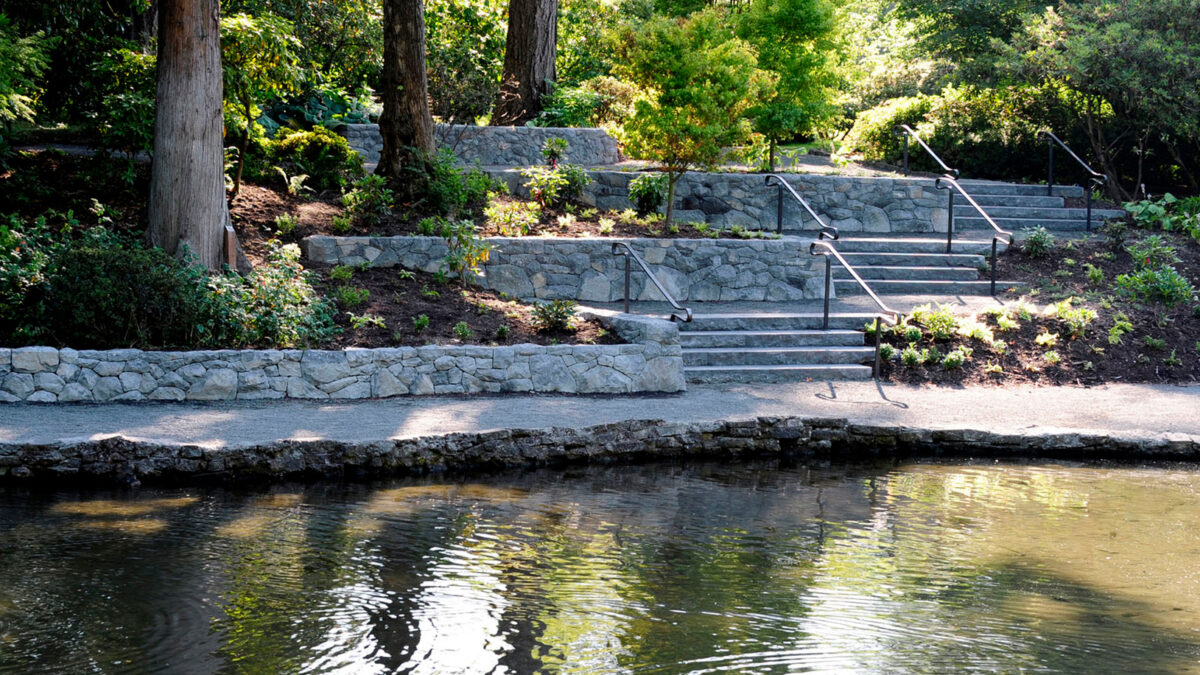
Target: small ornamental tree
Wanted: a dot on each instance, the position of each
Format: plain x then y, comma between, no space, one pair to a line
699,83
258,59
22,62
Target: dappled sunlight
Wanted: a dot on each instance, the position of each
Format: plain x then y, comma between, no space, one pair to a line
142,526
109,508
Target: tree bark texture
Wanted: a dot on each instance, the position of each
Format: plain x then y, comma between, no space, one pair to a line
187,185
406,123
528,60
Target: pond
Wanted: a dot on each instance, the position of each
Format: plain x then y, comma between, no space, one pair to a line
656,568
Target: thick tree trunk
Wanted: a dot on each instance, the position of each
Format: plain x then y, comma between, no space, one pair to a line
406,123
187,186
528,60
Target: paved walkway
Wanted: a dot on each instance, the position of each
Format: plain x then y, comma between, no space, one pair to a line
1127,410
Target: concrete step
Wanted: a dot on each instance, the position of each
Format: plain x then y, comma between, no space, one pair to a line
916,259
769,321
770,338
1040,202
985,187
776,356
760,374
881,272
1018,224
1027,212
922,287
976,245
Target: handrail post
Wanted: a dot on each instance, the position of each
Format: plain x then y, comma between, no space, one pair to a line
1092,184
875,369
1050,175
993,266
906,172
627,256
779,211
949,219
828,285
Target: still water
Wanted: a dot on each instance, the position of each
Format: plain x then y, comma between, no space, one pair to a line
642,569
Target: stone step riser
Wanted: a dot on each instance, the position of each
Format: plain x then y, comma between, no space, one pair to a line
974,246
776,374
876,273
1031,213
777,357
859,260
748,339
1016,201
982,287
1018,224
766,323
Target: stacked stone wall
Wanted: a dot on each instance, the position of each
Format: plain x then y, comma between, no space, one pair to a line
498,146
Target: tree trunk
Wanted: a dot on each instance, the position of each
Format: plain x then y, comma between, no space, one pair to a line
187,185
672,178
406,123
528,60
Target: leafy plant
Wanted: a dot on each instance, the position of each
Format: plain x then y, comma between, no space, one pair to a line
1163,284
1121,326
940,323
512,218
545,185
887,352
341,224
323,155
1152,252
1038,242
1046,339
295,184
502,332
341,273
286,223
467,251
1095,275
1172,360
463,331
369,199
606,226
956,357
351,296
358,322
1052,357
911,356
553,149
648,191
556,315
420,323
1154,343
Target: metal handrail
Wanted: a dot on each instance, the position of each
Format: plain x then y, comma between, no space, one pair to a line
629,253
996,236
827,230
904,131
1095,178
886,313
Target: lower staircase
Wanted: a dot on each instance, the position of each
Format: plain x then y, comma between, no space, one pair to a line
775,347
917,265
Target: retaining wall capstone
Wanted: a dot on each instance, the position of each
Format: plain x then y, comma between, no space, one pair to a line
850,203
124,461
47,375
549,268
498,146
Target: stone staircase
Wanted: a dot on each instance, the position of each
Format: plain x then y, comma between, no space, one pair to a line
919,264
775,347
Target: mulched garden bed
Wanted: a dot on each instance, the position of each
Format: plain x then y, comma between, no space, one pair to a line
1162,346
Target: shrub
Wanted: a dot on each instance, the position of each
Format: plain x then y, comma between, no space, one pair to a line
451,190
1038,242
322,154
286,223
545,185
124,119
463,331
1152,252
502,332
648,192
341,224
1095,275
27,253
577,179
1052,357
873,132
351,296
940,322
467,251
557,315
1163,284
369,200
1154,343
553,149
887,352
512,218
956,358
1077,319
420,323
1046,339
911,356
358,322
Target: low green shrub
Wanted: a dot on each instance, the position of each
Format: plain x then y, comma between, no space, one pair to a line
323,155
1162,284
553,149
557,315
1152,252
451,190
911,356
1038,242
369,200
940,322
512,218
648,192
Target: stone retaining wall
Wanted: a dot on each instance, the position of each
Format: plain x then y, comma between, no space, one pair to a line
653,363
585,269
122,461
850,203
498,146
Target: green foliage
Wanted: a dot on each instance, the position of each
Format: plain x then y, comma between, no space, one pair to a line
22,62
940,322
124,118
463,331
911,356
351,296
648,191
327,106
553,149
467,250
369,200
887,352
595,102
699,84
544,184
873,132
1152,252
27,253
1046,339
286,223
420,323
1154,343
1076,318
577,179
1121,326
1052,357
341,224
512,218
323,155
341,273
1157,284
1095,275
451,190
465,41
956,357
1038,242
358,322
502,332
557,315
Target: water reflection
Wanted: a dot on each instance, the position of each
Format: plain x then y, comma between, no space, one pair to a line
652,569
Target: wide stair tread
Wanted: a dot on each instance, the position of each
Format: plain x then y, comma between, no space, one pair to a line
859,259
776,356
766,374
968,211
984,187
923,287
764,321
976,245
769,338
872,273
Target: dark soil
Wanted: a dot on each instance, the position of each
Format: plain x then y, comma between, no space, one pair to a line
399,297
1171,354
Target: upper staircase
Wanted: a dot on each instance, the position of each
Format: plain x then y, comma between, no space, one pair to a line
1018,207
